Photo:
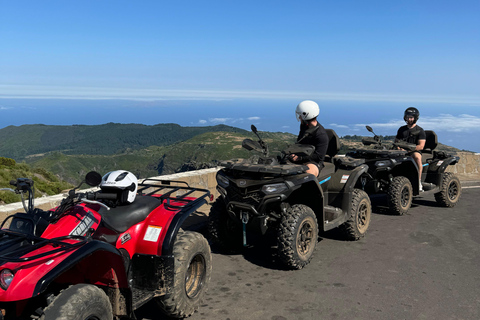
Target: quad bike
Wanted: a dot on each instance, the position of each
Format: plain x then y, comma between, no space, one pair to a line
86,260
265,193
392,171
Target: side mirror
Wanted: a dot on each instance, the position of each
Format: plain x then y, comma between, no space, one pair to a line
254,129
369,128
93,178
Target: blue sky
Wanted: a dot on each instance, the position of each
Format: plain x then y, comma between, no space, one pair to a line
240,62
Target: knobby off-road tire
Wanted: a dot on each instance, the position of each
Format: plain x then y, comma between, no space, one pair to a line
297,236
79,302
359,216
193,268
450,190
400,195
224,232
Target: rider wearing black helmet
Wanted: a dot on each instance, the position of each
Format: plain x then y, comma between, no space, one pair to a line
412,133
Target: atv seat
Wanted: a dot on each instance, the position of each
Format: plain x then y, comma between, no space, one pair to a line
332,150
430,145
333,145
121,218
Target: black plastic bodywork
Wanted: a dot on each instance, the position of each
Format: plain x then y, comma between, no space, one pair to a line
328,195
385,164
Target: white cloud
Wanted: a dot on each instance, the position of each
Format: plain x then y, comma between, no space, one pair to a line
219,120
254,118
202,121
443,122
342,126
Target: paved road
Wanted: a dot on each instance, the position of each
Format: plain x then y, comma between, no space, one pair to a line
424,265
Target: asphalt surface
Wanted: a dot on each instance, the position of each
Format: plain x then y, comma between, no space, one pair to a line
423,265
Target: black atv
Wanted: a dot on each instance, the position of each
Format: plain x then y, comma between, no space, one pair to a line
392,171
270,193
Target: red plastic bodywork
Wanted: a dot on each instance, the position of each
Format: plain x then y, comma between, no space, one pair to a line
145,237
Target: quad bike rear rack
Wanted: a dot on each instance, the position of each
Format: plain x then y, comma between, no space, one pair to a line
168,193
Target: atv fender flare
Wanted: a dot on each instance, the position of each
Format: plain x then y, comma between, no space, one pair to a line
443,167
409,170
309,192
177,221
350,186
105,260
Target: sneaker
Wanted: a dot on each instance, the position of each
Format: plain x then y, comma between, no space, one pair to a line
420,188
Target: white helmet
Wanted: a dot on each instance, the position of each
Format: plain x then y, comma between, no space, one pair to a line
307,110
122,182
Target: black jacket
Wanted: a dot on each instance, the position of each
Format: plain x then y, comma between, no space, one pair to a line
318,138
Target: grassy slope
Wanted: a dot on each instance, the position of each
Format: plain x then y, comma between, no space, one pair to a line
45,182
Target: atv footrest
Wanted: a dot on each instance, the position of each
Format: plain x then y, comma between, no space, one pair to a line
333,217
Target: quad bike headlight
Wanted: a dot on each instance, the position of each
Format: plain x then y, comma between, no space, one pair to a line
383,163
274,188
223,181
6,278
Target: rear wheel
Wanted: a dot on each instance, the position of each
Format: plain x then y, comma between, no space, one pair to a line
400,195
359,216
297,236
223,230
192,271
450,190
79,302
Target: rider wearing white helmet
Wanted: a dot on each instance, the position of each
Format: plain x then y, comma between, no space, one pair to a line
307,112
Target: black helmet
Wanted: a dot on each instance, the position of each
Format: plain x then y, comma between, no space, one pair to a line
411,112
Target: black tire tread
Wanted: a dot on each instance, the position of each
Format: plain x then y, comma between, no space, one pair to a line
350,227
77,302
442,197
287,232
393,195
177,304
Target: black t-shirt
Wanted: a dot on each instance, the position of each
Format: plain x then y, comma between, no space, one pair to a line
319,139
411,135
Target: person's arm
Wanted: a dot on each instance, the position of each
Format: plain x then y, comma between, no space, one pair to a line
422,138
420,145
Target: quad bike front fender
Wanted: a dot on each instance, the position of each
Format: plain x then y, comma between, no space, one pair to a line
95,262
350,186
408,169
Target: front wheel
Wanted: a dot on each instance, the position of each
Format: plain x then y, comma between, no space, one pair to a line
192,271
450,190
297,236
400,195
359,216
79,302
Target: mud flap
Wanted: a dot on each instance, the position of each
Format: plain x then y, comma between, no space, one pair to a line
151,276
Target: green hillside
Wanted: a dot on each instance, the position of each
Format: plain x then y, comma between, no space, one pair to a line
45,182
107,139
204,150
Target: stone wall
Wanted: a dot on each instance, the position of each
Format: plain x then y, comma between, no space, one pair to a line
204,179
468,169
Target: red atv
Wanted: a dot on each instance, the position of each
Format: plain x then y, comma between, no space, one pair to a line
88,259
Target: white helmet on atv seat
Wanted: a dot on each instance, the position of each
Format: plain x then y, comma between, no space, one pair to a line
121,182
307,110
